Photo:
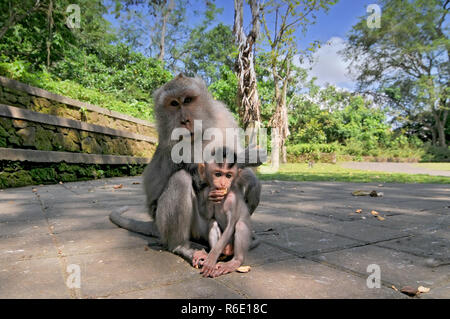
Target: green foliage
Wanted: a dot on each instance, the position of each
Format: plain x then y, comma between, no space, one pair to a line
436,154
225,88
84,64
209,51
44,80
300,149
406,61
16,174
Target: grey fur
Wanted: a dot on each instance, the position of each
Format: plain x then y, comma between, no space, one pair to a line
171,198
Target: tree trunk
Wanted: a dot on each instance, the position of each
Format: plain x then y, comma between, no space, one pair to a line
433,136
275,155
50,31
280,118
166,13
283,153
440,126
441,134
248,100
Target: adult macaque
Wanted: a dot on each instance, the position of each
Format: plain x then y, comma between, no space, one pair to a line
171,188
227,221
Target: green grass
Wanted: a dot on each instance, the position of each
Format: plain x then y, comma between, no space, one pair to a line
435,166
332,172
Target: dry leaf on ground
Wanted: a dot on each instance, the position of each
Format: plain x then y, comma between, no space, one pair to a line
118,186
423,289
380,218
374,213
410,291
243,269
360,193
359,211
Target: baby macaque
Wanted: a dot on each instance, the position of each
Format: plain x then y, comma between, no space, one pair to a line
228,221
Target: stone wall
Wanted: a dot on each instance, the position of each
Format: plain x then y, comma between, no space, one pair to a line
15,133
32,119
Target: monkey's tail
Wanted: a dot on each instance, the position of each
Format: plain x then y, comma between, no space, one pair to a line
137,226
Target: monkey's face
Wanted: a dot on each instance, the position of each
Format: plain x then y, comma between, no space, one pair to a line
183,109
179,102
221,176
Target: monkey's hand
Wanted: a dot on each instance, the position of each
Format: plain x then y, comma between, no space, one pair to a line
209,266
199,258
216,195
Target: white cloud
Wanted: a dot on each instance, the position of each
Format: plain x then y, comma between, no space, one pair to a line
329,66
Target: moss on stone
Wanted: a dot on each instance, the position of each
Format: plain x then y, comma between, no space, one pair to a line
3,132
3,140
43,139
43,175
16,173
6,123
28,136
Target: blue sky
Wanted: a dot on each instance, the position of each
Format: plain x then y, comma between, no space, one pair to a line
331,27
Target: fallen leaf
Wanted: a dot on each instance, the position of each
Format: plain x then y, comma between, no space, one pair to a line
395,288
410,291
34,190
243,269
376,194
374,213
359,211
136,183
423,289
380,218
360,193
118,186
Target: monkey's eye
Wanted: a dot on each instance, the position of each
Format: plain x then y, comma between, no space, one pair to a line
187,100
218,174
174,103
229,176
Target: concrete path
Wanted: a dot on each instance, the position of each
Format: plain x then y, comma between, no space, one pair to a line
394,168
314,244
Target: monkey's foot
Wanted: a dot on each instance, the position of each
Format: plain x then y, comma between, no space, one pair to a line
198,258
226,268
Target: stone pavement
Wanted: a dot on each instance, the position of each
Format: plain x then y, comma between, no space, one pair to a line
314,244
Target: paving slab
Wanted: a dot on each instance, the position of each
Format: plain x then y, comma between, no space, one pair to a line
396,268
313,243
195,288
36,278
127,270
301,278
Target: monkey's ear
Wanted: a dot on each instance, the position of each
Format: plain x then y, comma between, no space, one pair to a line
201,171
